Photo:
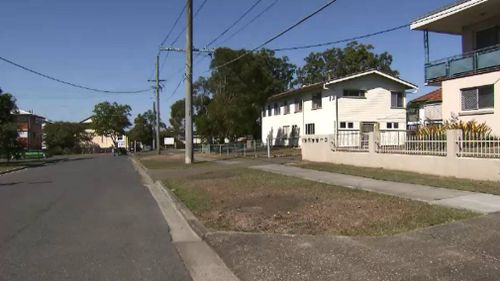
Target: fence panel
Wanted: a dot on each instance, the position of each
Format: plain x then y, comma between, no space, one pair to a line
351,140
278,147
407,142
478,145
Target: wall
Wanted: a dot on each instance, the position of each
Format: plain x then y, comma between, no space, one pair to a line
452,103
468,168
433,112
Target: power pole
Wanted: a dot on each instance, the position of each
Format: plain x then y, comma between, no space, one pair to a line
189,157
154,127
157,88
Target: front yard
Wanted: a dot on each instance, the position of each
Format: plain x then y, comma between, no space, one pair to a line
236,198
406,177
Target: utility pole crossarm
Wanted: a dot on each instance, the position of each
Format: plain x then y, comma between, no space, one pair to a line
180,50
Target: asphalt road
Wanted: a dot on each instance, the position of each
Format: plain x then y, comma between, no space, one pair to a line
88,219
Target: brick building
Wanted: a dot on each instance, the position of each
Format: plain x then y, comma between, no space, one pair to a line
29,128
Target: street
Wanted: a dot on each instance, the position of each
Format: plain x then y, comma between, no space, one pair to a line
83,219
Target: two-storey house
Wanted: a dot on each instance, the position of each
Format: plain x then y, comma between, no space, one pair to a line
469,81
425,110
362,102
29,129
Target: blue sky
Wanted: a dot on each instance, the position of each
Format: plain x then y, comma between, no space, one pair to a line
111,44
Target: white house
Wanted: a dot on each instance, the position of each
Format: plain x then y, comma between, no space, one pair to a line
425,110
469,81
104,142
345,107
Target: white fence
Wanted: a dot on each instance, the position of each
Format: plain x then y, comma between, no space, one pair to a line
281,147
403,142
350,140
478,146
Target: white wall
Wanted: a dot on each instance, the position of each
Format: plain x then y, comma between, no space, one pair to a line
452,101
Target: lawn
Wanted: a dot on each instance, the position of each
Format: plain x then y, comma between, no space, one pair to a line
6,168
233,198
491,187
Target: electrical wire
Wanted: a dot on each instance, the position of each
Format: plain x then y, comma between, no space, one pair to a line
173,26
70,83
342,40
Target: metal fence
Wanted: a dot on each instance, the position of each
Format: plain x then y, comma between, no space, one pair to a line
407,142
277,147
478,145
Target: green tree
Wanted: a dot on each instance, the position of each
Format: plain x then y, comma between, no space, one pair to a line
142,130
177,118
232,98
337,62
8,128
111,120
65,137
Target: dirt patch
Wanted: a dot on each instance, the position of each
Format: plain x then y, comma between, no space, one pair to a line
235,198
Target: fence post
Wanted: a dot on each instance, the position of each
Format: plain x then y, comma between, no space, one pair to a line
452,137
269,147
371,142
255,148
220,149
245,149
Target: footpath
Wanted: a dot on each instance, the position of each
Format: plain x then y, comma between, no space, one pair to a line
474,201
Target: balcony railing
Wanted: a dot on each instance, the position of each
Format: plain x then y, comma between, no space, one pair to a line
463,65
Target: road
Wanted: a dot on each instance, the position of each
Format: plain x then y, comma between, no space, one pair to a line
83,219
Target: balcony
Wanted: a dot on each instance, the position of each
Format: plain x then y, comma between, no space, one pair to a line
472,63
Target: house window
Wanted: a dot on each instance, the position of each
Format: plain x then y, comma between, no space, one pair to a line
392,125
346,125
397,100
316,101
478,98
269,111
286,131
298,105
310,129
295,131
287,108
354,93
277,110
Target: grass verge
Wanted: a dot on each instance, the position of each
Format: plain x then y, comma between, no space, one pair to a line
240,199
491,187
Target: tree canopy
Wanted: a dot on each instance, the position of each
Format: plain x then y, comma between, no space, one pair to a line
111,120
340,62
8,128
65,137
229,102
144,127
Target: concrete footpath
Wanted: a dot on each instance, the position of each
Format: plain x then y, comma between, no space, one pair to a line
477,202
201,260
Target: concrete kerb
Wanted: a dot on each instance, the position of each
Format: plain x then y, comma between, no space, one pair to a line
12,170
188,234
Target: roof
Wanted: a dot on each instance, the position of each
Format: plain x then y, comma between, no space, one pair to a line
452,18
25,112
432,97
321,85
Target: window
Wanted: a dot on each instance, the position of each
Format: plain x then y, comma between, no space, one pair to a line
316,101
354,93
269,111
310,129
397,100
277,110
295,131
392,125
346,125
298,105
478,98
287,108
487,37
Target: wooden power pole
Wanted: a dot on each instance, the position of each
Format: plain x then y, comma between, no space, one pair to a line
189,156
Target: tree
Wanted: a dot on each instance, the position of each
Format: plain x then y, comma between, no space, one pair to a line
231,99
8,128
65,137
177,118
336,62
111,120
142,130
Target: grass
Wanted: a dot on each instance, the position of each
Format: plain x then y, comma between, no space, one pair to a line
6,168
240,199
491,187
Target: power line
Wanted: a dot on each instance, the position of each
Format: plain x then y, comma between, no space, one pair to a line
265,10
173,26
342,40
240,18
331,2
70,83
